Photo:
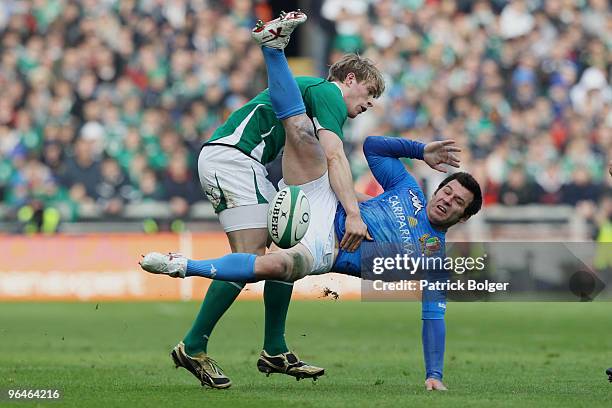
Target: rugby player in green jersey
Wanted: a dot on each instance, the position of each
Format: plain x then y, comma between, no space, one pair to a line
232,173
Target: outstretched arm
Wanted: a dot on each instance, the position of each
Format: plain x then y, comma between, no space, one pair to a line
383,154
433,308
434,338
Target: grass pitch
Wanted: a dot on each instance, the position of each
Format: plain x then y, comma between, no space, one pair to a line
498,354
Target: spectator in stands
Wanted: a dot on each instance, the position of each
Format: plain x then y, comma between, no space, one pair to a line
513,82
149,189
54,158
518,189
113,189
179,181
581,188
83,168
180,188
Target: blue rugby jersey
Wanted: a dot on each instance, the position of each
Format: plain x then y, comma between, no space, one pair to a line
399,216
396,216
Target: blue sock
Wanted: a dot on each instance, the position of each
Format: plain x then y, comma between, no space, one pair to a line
232,267
284,91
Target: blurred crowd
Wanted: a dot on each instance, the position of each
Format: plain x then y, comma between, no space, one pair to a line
523,86
106,102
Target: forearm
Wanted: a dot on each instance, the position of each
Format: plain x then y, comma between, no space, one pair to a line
433,309
341,182
394,147
434,338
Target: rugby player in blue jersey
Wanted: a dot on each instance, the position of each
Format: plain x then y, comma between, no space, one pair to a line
401,214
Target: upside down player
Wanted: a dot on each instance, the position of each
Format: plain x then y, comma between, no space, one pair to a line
232,172
457,198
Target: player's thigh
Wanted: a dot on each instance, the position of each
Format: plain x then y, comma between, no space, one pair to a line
251,240
239,191
303,157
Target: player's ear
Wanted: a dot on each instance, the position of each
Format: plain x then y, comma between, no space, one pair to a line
350,79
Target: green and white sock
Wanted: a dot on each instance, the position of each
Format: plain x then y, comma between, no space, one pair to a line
277,296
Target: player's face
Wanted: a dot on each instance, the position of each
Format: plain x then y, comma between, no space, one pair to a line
448,204
357,96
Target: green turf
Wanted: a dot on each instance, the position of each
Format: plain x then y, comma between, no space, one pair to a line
114,355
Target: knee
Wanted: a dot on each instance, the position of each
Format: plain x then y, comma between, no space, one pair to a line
287,267
278,265
275,266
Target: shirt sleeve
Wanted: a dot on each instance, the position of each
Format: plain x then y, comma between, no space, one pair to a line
434,339
383,153
326,108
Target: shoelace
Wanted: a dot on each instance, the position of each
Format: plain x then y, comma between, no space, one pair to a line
213,365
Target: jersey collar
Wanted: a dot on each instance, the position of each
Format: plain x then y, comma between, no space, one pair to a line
342,93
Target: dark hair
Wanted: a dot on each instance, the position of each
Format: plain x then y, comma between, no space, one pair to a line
470,183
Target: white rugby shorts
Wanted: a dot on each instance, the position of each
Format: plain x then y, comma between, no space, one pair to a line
237,187
320,237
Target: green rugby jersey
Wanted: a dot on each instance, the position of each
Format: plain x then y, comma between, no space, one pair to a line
255,130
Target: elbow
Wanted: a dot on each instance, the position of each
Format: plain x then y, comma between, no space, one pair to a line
369,148
372,145
333,160
334,155
368,144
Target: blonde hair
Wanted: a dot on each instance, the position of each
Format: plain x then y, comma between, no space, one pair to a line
364,70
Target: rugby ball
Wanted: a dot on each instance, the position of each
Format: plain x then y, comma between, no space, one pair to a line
288,217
